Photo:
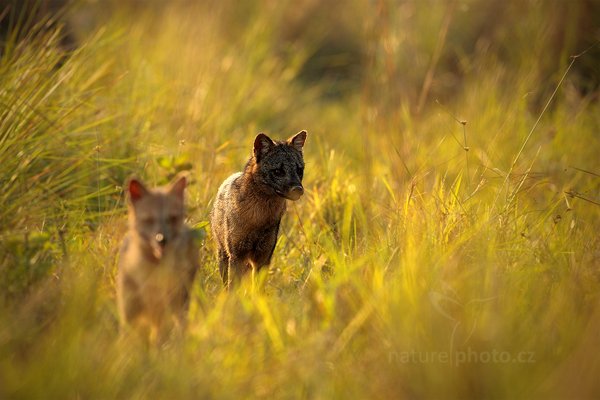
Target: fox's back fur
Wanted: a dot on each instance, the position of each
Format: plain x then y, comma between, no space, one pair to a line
158,260
249,205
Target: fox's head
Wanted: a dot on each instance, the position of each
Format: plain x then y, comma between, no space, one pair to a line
157,215
279,166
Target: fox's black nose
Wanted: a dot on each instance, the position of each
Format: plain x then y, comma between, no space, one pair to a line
298,189
161,239
295,192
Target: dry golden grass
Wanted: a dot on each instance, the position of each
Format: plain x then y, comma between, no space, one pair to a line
429,258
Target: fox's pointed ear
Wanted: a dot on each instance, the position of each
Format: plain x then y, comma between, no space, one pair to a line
136,189
178,184
262,145
297,140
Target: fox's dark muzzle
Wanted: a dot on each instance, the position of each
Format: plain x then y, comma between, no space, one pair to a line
295,193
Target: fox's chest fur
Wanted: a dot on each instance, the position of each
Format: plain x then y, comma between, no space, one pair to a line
247,210
152,290
138,262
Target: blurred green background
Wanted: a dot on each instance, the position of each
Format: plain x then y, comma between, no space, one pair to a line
447,245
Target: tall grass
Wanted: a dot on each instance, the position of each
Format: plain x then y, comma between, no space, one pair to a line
447,252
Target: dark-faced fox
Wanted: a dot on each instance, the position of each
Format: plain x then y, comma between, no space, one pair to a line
249,205
158,260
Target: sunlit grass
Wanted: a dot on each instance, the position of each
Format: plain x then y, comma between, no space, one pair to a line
415,265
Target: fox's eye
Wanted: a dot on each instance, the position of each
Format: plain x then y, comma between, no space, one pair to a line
173,219
278,172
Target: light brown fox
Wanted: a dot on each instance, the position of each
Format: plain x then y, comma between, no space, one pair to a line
158,260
